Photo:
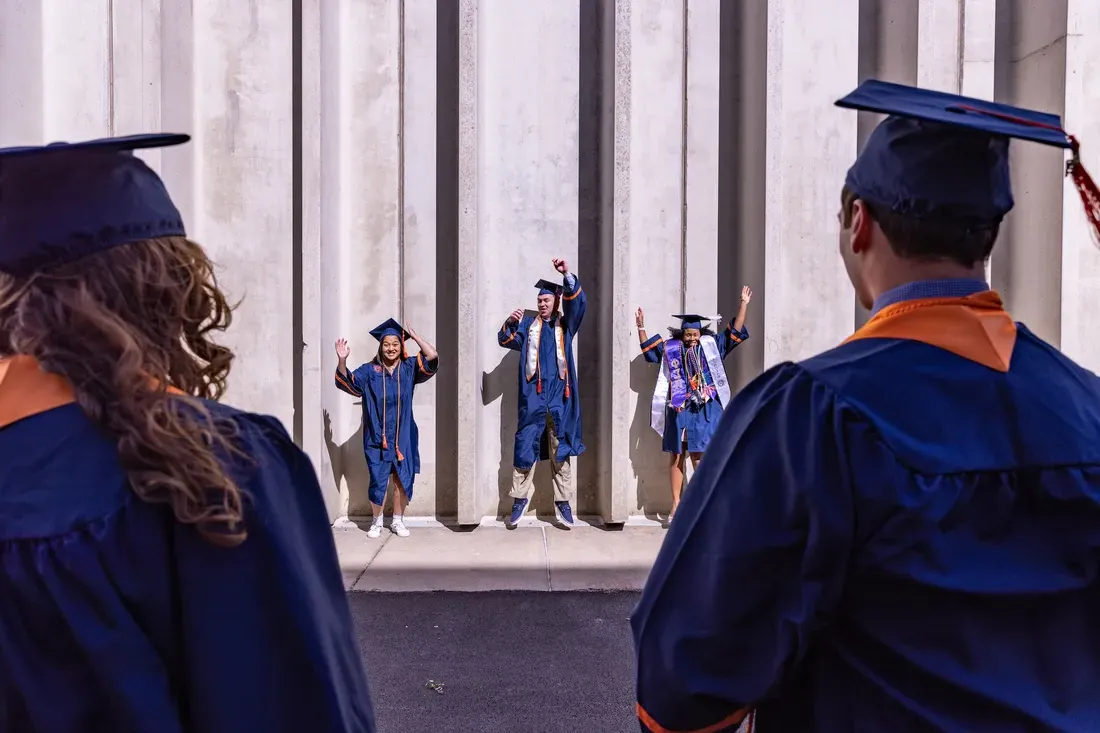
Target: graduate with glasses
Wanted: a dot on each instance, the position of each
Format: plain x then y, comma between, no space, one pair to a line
902,533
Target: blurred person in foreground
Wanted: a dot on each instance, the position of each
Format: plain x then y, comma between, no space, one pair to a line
903,533
166,562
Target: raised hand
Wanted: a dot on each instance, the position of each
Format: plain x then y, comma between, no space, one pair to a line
412,333
343,351
746,294
639,319
561,266
516,315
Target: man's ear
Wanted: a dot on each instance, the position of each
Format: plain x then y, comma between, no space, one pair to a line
862,222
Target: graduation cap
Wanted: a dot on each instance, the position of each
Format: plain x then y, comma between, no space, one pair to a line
944,157
64,201
549,288
390,327
692,320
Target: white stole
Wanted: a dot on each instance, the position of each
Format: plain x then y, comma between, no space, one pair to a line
660,392
534,336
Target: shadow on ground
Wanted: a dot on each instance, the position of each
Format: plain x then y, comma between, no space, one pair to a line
509,661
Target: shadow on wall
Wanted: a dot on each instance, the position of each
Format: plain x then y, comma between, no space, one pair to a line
350,464
501,384
654,495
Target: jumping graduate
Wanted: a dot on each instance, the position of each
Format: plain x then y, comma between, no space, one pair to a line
903,533
549,423
166,561
692,388
391,441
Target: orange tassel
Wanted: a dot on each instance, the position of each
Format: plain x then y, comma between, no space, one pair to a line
385,443
399,456
567,389
538,387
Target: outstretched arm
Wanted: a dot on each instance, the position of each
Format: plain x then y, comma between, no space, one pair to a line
653,347
574,299
510,335
427,361
345,378
736,333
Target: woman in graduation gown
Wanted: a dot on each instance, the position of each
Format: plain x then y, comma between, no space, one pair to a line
166,561
692,389
391,442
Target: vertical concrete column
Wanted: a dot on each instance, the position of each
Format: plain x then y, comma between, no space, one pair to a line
1080,302
649,260
243,158
812,61
702,51
475,487
418,219
979,36
527,178
939,44
360,189
1031,73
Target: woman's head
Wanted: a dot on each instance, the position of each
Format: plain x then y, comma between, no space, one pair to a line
122,325
389,349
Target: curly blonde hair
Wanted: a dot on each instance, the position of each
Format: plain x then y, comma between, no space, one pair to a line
122,326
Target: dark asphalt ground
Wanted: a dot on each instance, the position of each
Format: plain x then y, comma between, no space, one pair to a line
510,662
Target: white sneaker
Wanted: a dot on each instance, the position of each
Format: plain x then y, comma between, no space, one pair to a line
399,528
375,531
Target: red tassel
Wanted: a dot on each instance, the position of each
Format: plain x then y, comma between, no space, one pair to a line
399,456
385,443
567,390
538,387
1086,187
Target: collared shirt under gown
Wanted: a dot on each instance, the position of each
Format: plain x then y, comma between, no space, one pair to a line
891,536
696,423
116,618
388,398
531,444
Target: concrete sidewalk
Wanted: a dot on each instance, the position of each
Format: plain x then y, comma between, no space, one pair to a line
532,558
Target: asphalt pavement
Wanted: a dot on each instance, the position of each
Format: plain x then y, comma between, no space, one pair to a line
508,661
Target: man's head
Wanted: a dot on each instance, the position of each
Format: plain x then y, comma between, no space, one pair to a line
549,298
926,196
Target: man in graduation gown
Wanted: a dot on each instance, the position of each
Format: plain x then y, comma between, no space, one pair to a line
903,533
549,420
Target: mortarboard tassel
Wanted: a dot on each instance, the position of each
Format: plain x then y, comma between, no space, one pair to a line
1075,169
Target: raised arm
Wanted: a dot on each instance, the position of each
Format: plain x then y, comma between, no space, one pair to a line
345,378
574,301
734,334
653,347
511,336
427,361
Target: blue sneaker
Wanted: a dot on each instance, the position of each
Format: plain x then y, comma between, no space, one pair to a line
564,513
518,507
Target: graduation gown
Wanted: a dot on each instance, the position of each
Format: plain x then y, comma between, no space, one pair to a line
531,444
901,534
698,421
391,441
115,617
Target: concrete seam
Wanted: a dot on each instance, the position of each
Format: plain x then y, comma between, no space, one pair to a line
385,539
111,67
546,554
683,164
960,48
401,160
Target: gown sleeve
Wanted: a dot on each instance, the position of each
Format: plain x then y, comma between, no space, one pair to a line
349,383
574,303
512,335
653,349
270,644
729,339
423,369
753,563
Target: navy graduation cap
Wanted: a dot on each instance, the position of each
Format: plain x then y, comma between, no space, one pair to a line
548,288
692,320
390,327
64,201
944,157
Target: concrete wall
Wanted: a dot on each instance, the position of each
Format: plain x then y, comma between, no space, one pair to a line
425,159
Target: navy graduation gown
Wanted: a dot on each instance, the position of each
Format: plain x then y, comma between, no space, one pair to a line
699,421
114,617
531,444
856,557
391,441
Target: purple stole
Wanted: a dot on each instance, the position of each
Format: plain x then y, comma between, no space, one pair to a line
679,389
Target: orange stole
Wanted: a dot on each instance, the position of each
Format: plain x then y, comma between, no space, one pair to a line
976,327
26,390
